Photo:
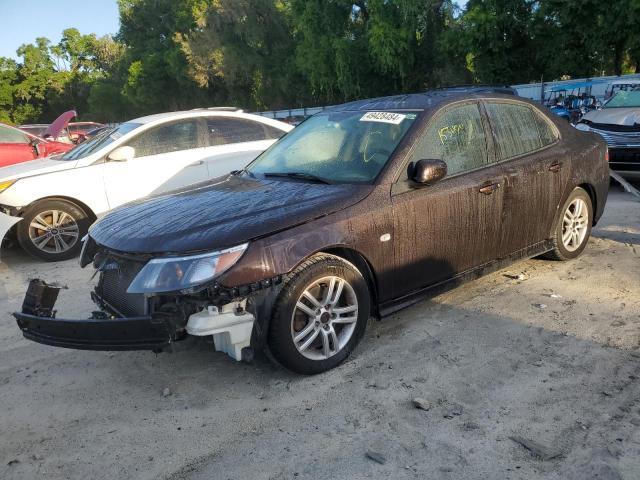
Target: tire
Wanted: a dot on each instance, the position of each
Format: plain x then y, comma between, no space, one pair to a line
334,332
62,222
563,250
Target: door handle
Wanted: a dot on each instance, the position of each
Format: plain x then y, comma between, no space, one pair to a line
195,164
555,168
489,189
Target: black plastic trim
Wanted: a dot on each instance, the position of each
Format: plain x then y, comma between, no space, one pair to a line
139,333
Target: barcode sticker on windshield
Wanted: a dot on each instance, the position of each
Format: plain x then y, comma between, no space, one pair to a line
384,117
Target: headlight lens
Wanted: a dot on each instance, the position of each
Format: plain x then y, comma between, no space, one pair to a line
7,184
583,126
172,274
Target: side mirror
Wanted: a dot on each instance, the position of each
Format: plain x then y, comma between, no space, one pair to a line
122,154
427,172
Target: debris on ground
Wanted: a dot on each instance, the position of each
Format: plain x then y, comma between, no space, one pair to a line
519,276
166,392
541,306
421,404
376,457
541,451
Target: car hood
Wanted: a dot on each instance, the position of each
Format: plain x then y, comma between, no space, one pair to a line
59,124
35,167
614,116
229,211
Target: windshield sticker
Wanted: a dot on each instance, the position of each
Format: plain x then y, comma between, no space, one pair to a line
115,135
383,117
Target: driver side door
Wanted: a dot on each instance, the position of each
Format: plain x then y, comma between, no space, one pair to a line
453,225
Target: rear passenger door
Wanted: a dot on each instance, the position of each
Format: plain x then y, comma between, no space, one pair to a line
454,225
235,142
535,168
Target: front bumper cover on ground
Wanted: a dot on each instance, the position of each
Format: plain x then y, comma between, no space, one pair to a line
102,332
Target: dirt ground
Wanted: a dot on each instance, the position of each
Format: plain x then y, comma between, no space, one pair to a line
552,357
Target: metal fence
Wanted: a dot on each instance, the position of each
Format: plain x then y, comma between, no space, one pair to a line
533,91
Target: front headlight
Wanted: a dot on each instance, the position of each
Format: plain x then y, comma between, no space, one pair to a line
583,126
172,274
7,184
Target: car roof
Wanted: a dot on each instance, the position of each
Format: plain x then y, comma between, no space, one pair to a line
196,112
424,100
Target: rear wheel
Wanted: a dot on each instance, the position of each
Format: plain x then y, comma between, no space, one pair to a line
320,315
52,230
573,227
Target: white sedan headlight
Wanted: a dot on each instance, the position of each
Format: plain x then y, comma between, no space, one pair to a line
170,274
7,184
583,126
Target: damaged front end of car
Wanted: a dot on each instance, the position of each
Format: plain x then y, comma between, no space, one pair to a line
150,302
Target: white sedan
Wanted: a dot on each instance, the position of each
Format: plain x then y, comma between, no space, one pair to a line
54,200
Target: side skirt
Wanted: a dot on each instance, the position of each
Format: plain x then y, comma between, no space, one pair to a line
392,306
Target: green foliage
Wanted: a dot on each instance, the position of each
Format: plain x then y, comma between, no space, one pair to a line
270,54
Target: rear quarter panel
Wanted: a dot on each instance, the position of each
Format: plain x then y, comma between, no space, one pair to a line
588,167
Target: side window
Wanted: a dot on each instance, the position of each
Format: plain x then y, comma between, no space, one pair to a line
548,134
9,135
223,131
516,128
456,137
273,133
173,137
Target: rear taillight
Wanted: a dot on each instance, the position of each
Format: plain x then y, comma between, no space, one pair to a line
606,155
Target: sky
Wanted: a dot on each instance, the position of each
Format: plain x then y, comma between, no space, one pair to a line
21,21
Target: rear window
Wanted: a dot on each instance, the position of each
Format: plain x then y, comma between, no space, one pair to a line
517,129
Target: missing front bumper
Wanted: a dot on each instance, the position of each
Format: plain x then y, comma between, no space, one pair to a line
38,322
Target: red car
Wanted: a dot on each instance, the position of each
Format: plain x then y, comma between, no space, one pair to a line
18,146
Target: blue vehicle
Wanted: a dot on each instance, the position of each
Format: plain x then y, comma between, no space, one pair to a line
572,100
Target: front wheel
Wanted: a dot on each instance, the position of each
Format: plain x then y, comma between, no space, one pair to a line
573,227
52,230
320,315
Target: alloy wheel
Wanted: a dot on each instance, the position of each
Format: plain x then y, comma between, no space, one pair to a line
575,224
324,318
54,231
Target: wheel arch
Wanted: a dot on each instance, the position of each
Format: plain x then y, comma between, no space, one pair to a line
591,191
364,267
90,213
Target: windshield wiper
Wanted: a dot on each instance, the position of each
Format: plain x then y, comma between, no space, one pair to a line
298,176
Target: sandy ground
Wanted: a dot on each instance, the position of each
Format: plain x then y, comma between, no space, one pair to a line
553,358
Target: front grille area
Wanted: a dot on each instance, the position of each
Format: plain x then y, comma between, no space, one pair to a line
115,277
625,159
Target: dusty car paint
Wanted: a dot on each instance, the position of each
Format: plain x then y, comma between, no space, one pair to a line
406,239
227,212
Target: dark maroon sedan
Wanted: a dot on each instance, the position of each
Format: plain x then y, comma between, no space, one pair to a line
363,209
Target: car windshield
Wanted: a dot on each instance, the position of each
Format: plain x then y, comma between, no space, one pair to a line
101,140
340,147
622,99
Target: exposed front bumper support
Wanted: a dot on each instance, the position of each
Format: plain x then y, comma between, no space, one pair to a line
38,323
141,333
